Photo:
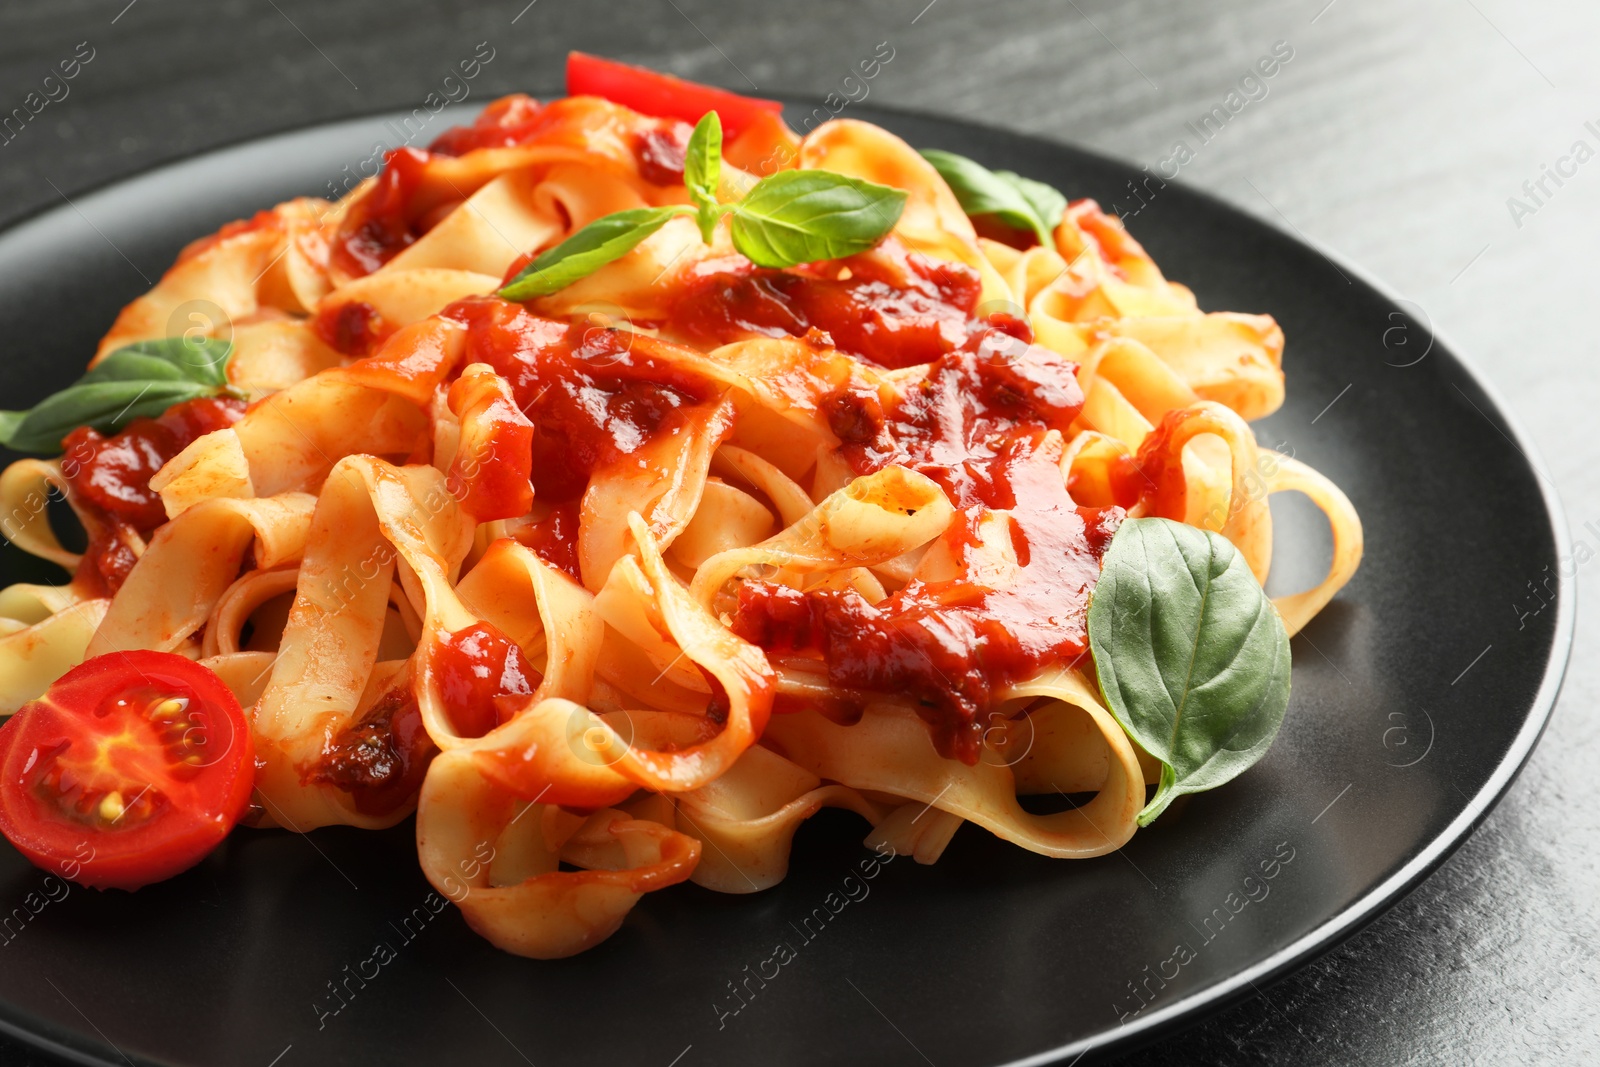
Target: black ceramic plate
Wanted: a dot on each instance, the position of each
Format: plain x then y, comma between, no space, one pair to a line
1417,696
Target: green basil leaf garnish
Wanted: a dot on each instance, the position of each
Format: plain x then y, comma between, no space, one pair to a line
1014,200
605,239
198,359
1047,202
803,216
141,380
1192,657
789,218
702,170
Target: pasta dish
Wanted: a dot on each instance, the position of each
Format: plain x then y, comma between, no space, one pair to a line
620,481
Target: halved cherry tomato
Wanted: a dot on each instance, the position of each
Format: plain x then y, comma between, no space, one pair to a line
662,95
130,769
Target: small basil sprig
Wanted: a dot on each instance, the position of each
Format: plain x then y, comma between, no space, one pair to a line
1192,657
702,170
605,239
1014,200
138,381
789,218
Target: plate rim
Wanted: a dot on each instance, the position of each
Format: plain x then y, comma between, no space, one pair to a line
52,1038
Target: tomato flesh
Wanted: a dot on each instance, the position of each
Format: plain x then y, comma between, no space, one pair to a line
662,95
130,769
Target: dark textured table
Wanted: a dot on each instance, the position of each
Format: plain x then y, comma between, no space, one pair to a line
1400,136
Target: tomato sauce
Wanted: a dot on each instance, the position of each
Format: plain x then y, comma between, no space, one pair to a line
554,539
891,306
661,152
1155,474
113,473
506,123
953,644
954,423
977,424
594,395
380,760
109,477
482,677
491,472
354,328
379,226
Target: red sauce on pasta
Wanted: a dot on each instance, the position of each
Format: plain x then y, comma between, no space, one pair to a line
954,423
378,227
509,121
953,644
554,538
891,306
594,395
354,328
110,478
113,473
107,560
660,153
380,761
977,425
490,474
482,676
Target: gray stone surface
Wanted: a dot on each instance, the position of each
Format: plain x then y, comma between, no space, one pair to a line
1395,136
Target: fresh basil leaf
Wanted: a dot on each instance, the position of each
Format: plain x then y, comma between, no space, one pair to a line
1047,202
1014,200
702,170
803,216
1192,657
129,366
104,405
199,359
605,239
140,380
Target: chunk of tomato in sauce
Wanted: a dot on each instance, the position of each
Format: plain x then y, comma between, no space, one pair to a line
891,306
953,644
109,479
381,759
354,328
482,677
953,424
594,395
554,538
661,152
379,225
113,473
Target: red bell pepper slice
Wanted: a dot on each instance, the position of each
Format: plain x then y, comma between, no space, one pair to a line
662,95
